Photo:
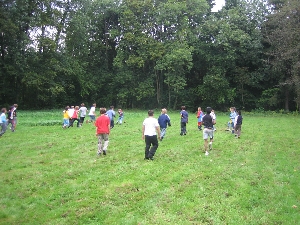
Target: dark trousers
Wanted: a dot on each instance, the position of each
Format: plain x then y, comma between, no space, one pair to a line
112,124
72,122
183,128
150,140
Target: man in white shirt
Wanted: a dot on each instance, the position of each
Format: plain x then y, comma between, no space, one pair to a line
150,131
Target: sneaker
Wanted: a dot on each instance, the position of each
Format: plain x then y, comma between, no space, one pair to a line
104,152
98,153
206,153
210,145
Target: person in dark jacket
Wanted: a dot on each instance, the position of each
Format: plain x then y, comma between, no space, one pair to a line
163,121
238,124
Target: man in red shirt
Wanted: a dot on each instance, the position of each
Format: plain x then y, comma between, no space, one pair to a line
102,131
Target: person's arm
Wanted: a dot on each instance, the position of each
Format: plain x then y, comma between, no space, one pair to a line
143,132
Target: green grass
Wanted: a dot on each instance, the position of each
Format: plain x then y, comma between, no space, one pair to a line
53,176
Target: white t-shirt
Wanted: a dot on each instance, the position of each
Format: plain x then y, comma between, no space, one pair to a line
150,126
82,110
71,112
92,111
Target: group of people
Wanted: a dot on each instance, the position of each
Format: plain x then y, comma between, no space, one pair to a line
8,117
72,114
153,128
235,122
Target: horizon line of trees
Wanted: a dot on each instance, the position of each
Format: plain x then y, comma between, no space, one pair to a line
150,54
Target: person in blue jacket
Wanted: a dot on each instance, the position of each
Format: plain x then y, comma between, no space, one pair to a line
163,121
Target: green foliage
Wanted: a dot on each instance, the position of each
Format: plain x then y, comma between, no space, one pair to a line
149,53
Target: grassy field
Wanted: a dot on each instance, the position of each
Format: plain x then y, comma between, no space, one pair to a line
54,176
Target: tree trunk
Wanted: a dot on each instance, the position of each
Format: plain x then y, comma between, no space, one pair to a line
286,104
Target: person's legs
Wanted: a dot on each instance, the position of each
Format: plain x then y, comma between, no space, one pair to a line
112,124
106,141
148,144
205,138
100,143
183,128
71,121
154,147
162,133
3,128
12,125
238,129
81,121
15,122
77,122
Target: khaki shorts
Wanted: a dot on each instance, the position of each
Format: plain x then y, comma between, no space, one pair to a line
208,133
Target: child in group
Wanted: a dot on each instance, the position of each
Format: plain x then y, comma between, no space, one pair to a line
3,121
183,121
213,115
163,121
10,116
199,116
92,114
75,117
111,114
66,117
208,130
71,112
121,116
82,112
231,121
238,124
102,131
15,116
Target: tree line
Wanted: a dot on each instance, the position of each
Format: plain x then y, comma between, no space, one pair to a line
150,54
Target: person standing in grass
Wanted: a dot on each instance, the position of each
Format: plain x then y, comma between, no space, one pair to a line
10,116
66,117
150,131
111,114
15,116
3,121
102,131
231,119
213,115
163,121
75,117
82,112
121,116
238,124
92,114
199,117
208,130
184,120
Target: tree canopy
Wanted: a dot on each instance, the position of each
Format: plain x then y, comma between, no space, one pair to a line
150,54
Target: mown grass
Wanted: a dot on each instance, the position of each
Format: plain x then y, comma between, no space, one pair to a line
53,176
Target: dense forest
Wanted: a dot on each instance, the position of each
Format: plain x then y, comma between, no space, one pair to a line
150,53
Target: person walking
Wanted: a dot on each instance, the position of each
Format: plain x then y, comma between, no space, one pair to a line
102,131
150,131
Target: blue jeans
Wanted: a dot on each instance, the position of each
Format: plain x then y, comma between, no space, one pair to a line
163,132
3,128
